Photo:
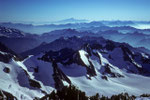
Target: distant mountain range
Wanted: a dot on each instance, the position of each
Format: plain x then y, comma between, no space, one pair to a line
17,40
122,29
38,29
14,38
71,20
74,24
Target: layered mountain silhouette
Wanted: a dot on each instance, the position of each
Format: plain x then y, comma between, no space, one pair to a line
93,61
103,57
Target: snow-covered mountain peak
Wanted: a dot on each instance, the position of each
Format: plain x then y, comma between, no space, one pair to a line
95,67
10,32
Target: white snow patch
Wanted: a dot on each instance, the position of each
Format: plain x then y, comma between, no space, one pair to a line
3,53
144,55
142,98
83,55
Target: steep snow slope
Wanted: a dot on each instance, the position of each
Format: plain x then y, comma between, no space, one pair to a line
16,79
41,71
95,84
112,85
108,68
83,57
99,74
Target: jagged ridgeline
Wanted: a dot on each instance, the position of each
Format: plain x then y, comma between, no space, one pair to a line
101,53
92,64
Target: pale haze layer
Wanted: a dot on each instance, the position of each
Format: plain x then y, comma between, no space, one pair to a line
53,10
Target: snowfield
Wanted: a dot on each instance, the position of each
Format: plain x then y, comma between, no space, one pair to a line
16,81
11,82
83,55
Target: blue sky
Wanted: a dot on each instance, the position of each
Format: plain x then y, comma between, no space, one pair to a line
53,10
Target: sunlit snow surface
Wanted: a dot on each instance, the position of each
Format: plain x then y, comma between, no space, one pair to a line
16,82
83,55
10,83
142,98
131,83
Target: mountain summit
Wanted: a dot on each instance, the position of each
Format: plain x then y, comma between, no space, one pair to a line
71,20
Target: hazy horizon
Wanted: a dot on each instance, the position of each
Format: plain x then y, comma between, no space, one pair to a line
57,21
55,10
